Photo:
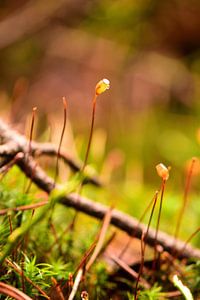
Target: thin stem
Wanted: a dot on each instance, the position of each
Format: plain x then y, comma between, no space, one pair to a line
58,288
158,221
86,155
30,141
10,223
61,138
22,273
23,207
14,293
131,237
91,134
31,130
129,270
185,199
143,244
53,229
141,267
190,237
4,170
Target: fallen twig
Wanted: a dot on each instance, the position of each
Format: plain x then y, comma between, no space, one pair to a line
94,209
9,290
13,143
130,271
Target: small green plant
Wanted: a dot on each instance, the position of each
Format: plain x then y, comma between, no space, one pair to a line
152,294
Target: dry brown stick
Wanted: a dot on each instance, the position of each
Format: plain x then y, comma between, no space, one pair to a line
98,210
4,162
9,149
10,163
58,288
129,270
9,290
49,149
13,142
23,207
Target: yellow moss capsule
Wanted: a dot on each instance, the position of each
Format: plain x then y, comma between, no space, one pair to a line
162,171
102,86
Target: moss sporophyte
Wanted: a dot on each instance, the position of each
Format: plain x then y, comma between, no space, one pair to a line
102,86
162,171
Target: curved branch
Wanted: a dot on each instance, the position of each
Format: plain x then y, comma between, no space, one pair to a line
13,142
98,210
9,290
94,209
51,150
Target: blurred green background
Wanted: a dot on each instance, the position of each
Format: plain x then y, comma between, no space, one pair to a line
150,51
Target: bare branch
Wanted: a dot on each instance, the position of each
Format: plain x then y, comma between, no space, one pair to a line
13,142
98,210
51,150
94,209
9,290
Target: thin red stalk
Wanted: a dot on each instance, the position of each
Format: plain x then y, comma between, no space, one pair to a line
69,284
85,257
22,273
26,238
14,293
61,138
10,223
140,220
141,267
30,141
158,221
130,271
87,154
33,212
60,237
31,130
53,229
189,239
58,289
30,182
91,133
7,167
23,207
143,244
185,199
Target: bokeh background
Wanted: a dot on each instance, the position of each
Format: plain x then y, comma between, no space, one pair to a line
150,51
